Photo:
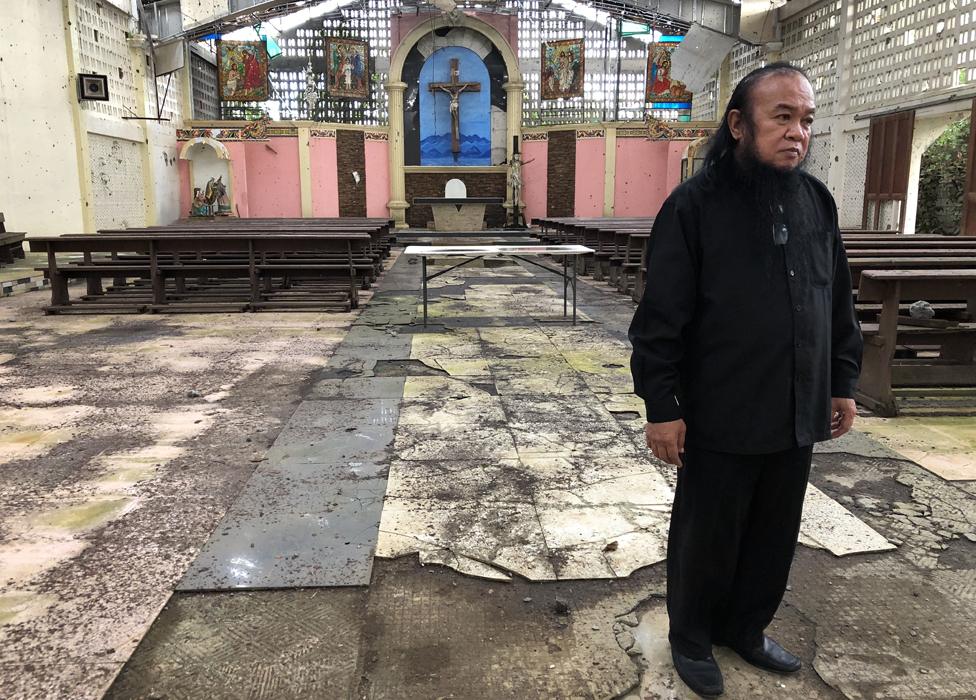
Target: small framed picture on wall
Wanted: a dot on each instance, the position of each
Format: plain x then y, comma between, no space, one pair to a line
563,68
347,68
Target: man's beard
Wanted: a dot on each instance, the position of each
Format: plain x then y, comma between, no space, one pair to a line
774,190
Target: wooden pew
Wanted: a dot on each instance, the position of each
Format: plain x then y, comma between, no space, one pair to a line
250,261
11,243
954,343
373,253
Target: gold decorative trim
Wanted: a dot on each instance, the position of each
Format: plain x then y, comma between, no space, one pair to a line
376,136
257,130
283,131
323,133
539,136
631,133
658,130
590,134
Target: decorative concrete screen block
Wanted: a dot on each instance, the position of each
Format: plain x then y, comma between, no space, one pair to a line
704,103
810,42
206,104
552,22
744,60
103,49
455,189
851,203
117,182
909,49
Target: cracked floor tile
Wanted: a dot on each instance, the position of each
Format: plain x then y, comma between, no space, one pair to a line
504,481
459,343
505,536
466,442
603,372
442,388
828,525
603,541
945,445
452,412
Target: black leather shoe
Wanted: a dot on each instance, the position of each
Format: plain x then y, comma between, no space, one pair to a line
770,656
701,675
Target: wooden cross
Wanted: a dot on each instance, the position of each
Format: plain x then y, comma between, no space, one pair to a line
454,89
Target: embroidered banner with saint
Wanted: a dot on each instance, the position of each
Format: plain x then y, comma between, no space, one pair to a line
563,65
242,71
660,86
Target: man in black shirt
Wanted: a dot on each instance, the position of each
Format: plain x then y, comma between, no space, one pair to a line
746,352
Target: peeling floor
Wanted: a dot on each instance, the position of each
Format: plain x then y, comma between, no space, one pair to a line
122,442
515,458
521,536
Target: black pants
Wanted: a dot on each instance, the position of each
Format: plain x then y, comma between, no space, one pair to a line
734,527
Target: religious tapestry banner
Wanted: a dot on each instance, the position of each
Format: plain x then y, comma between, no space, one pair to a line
661,88
242,71
563,66
347,68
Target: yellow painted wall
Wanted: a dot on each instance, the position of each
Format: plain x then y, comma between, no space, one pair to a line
39,184
55,155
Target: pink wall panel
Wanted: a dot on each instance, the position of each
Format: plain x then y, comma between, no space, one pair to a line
184,169
535,178
272,167
325,186
377,178
590,155
644,176
238,178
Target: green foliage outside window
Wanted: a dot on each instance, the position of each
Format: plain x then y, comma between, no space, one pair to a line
942,181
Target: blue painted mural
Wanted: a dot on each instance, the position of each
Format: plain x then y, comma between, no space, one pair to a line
474,110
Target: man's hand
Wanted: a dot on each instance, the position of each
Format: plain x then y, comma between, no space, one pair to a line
667,440
842,414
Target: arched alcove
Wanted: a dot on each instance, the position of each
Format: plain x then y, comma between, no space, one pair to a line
942,181
208,158
477,35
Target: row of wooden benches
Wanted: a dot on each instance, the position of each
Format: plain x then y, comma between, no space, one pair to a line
11,243
889,272
223,264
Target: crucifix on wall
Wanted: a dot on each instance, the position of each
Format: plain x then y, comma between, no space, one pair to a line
454,89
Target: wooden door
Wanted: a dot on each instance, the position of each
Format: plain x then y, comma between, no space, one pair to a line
889,157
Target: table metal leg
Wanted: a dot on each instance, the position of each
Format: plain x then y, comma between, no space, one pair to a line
565,285
423,273
574,289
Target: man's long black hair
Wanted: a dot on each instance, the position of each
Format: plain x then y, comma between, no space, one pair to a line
723,143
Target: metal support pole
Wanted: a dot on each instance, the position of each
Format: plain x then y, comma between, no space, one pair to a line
574,289
423,273
616,96
565,284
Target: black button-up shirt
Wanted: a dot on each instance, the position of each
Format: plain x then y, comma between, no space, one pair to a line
744,337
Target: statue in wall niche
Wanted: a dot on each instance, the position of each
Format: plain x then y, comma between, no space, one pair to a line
210,194
216,197
199,206
221,201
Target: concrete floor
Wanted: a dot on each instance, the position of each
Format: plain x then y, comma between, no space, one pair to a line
520,537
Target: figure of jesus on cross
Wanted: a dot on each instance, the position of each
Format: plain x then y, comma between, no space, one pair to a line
454,89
